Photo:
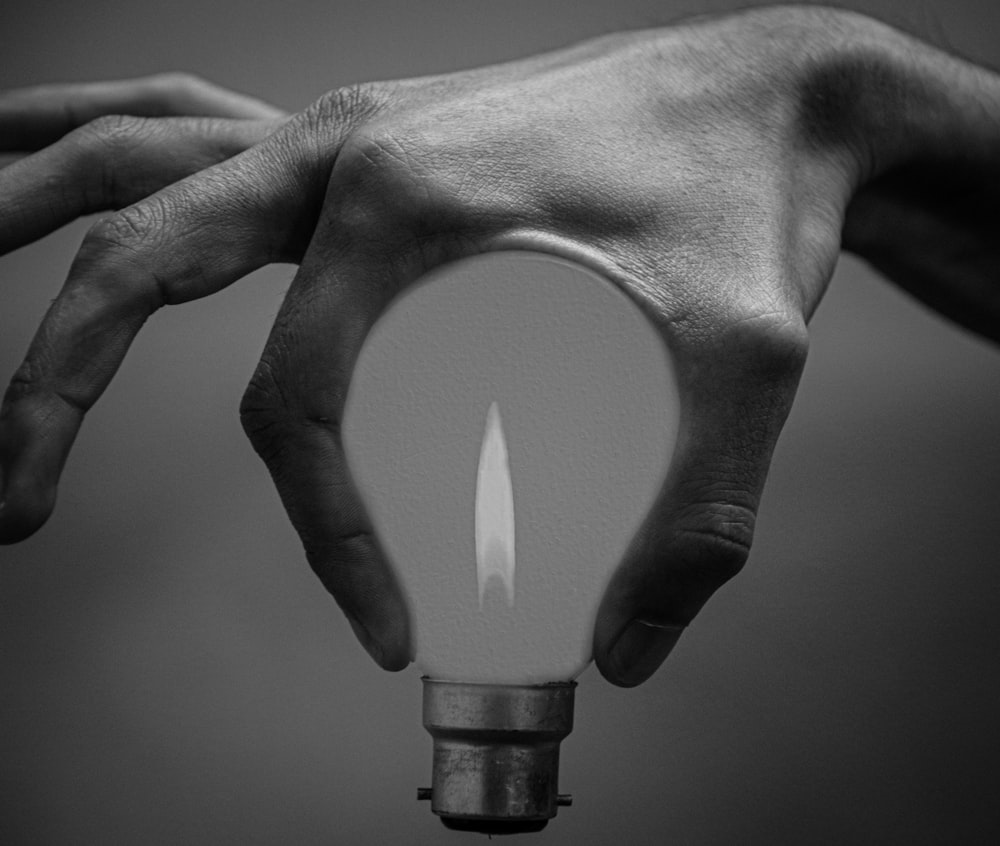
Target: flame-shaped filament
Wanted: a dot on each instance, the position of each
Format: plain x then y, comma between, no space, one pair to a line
494,511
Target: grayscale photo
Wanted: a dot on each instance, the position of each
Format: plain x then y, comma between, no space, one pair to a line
564,421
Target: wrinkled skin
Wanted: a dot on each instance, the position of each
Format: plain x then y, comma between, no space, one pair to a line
713,170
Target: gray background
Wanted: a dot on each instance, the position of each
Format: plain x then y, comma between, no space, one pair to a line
171,672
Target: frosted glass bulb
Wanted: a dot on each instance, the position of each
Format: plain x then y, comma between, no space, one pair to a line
509,421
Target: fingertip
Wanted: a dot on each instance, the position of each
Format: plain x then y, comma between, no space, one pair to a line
22,514
394,661
637,651
389,648
393,636
29,475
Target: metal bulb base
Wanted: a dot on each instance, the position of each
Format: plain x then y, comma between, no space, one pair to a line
496,753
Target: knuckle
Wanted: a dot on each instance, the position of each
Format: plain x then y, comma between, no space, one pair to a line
775,344
375,159
264,412
379,179
397,176
30,380
716,539
22,384
125,230
390,186
177,82
112,132
275,416
103,144
348,106
116,245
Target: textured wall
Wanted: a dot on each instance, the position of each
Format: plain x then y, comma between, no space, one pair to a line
171,672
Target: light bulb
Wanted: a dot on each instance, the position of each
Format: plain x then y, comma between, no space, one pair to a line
509,420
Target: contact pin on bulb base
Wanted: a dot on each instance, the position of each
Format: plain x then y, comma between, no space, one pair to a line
496,753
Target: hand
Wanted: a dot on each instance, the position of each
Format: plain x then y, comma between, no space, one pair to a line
705,168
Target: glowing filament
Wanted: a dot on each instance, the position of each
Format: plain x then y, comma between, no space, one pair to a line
494,511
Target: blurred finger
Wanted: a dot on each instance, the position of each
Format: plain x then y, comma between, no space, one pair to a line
734,400
35,116
182,243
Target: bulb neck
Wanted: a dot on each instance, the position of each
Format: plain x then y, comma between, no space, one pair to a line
496,753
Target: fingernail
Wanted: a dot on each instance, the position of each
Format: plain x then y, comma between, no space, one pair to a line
640,649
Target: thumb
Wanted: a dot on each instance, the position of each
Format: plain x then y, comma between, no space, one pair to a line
735,395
